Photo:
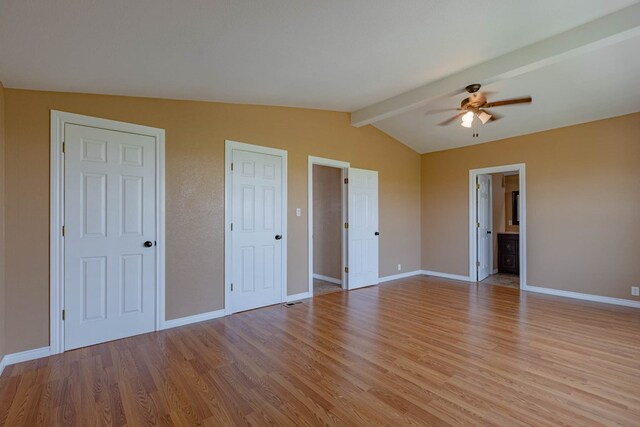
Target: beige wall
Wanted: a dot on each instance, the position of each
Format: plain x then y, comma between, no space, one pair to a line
2,208
596,162
195,133
327,221
511,183
582,236
498,211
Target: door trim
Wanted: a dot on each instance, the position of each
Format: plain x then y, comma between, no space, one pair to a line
229,146
344,167
473,173
56,216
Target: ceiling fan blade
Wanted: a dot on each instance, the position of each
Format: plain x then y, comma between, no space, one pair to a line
450,120
441,110
523,100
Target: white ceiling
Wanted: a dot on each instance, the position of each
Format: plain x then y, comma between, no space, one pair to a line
332,54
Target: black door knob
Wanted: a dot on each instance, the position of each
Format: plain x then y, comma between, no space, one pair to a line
148,244
488,232
278,237
376,233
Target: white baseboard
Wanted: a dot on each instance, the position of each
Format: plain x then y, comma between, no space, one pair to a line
328,279
447,275
174,323
399,276
24,356
298,297
586,297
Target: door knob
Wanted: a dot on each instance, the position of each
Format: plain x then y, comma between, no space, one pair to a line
148,244
278,237
488,232
376,233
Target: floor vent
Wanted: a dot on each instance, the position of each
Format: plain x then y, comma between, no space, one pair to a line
291,304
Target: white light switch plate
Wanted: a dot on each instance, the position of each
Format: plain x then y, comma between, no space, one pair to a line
635,291
298,211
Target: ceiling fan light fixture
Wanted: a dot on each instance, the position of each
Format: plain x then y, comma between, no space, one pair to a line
467,119
484,117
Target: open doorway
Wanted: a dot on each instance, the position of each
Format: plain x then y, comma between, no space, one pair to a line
327,216
327,229
497,231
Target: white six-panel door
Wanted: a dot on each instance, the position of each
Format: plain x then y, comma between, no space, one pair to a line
109,202
257,227
363,228
484,226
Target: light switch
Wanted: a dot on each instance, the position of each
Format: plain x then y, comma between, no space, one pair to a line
298,211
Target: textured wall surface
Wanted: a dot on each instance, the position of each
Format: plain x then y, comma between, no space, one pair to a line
195,135
583,205
2,234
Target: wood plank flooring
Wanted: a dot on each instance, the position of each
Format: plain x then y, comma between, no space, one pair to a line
419,351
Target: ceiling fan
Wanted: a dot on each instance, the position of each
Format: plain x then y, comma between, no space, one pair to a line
476,105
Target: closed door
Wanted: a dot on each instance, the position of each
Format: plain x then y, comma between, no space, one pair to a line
109,205
484,226
363,228
256,235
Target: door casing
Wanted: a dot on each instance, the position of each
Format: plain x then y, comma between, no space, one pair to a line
56,216
228,205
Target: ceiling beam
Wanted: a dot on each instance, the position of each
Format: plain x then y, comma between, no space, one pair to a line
604,31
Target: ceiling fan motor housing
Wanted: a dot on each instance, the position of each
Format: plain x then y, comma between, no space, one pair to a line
475,100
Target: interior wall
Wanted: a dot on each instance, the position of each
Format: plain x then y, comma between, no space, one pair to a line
327,221
498,211
195,135
2,238
583,205
511,183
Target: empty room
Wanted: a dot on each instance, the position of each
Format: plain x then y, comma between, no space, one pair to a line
303,213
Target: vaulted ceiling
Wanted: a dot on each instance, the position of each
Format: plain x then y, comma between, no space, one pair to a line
344,55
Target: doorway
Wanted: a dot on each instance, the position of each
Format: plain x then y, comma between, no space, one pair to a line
327,218
359,226
497,231
256,226
327,229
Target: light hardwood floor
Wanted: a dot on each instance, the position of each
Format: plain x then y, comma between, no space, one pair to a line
419,351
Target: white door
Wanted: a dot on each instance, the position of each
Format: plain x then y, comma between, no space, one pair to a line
256,235
109,204
484,226
363,228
